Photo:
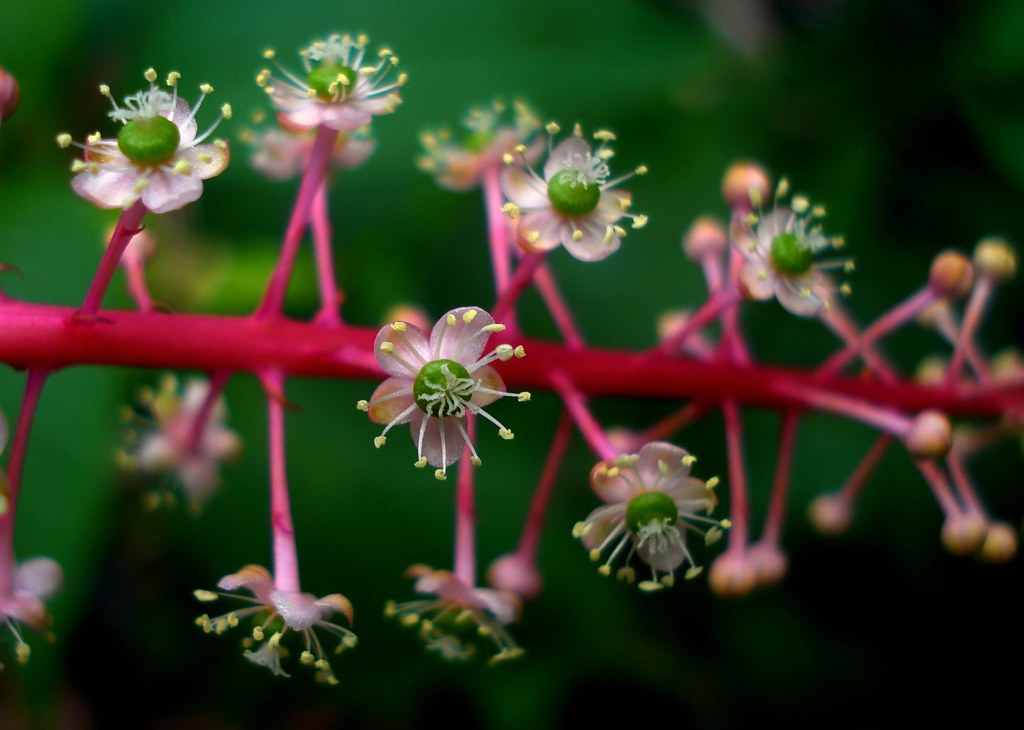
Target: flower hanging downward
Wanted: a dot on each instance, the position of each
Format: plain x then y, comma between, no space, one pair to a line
156,158
459,619
574,203
780,249
652,502
31,583
337,90
274,614
434,384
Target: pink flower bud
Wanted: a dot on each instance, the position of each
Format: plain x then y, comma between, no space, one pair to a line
732,576
951,275
830,515
746,185
1000,544
706,237
930,435
963,534
9,93
996,258
514,574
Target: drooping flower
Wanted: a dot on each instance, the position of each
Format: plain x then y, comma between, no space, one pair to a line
337,90
280,154
435,383
33,582
182,433
494,135
652,502
575,203
458,621
156,157
780,249
274,614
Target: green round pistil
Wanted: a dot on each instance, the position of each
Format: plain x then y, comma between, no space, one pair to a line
478,140
790,255
322,78
649,507
149,141
572,196
443,388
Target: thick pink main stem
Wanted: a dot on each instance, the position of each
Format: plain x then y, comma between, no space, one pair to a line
127,226
286,560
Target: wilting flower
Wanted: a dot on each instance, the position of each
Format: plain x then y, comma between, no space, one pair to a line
29,584
156,158
780,249
652,503
459,620
274,614
434,384
281,154
183,434
493,136
574,204
337,90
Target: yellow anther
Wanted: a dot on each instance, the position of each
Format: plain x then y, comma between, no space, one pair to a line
362,405
507,158
257,633
552,128
605,570
782,189
206,88
510,209
225,110
523,397
398,326
626,574
182,167
506,434
800,204
663,467
205,157
519,352
639,221
141,185
306,657
641,170
693,572
63,140
105,90
668,580
420,462
205,596
220,144
150,75
726,524
604,135
612,472
469,316
93,138
649,586
504,352
712,482
577,235
23,652
322,665
379,441
387,347
577,130
713,535
580,529
688,460
440,475
475,460
268,53
520,148
172,78
845,289
450,320
495,327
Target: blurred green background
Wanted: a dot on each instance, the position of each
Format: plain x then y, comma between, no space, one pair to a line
906,117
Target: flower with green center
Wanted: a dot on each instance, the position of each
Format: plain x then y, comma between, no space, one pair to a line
156,158
459,621
275,614
494,133
575,203
652,502
780,249
339,89
436,384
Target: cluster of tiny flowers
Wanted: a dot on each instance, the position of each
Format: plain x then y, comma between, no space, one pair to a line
574,203
435,384
340,89
178,432
458,620
275,613
779,248
156,157
652,501
493,133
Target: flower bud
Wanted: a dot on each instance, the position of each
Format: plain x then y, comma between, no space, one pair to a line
732,576
9,93
951,275
1000,544
769,562
996,258
930,435
516,575
829,514
408,313
746,185
963,534
1007,364
706,237
932,371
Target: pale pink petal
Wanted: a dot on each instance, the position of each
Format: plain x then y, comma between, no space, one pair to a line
612,484
758,279
156,452
410,351
612,205
169,191
108,187
353,152
335,603
649,466
596,243
570,153
798,297
666,560
344,117
254,578
27,609
200,479
542,230
206,160
601,523
523,189
180,116
459,335
436,455
502,605
389,410
298,610
5,431
304,115
771,225
486,377
42,577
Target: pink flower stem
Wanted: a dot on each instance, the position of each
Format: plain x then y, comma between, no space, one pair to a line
286,561
535,517
15,467
837,320
218,379
711,310
962,483
711,264
576,405
882,418
732,342
137,288
937,482
548,289
504,307
853,486
126,228
888,322
330,295
497,225
739,510
947,326
465,514
670,424
777,504
312,180
975,310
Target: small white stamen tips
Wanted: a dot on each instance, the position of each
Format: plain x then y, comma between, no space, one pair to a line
504,352
506,434
205,596
150,75
363,406
63,140
379,441
800,204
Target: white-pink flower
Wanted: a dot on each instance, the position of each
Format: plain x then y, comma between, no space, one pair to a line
574,204
275,613
280,154
652,501
30,584
436,383
459,619
156,157
341,89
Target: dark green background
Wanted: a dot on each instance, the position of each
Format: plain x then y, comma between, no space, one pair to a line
906,117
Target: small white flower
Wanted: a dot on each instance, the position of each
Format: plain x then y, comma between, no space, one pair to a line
341,89
652,503
574,203
280,154
34,581
156,157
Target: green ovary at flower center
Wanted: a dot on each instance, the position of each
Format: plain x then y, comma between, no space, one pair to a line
790,255
648,507
331,81
443,388
149,140
572,194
